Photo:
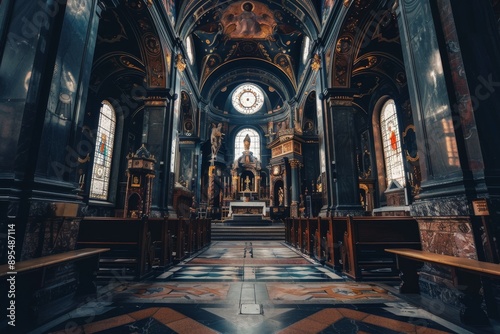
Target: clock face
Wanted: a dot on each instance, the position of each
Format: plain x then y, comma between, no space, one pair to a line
276,170
248,99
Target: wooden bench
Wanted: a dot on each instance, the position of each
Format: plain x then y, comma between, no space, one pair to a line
357,244
51,260
33,276
466,275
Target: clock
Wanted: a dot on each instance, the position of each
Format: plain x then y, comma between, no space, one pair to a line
247,99
276,170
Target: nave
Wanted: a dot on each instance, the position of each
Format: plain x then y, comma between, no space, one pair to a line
254,287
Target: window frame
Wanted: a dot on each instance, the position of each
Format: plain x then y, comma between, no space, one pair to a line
391,144
239,145
103,153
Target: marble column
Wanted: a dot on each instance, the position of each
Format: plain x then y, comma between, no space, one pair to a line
47,51
443,189
153,136
294,206
343,167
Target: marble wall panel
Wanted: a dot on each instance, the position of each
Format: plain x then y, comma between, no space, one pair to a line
46,234
449,236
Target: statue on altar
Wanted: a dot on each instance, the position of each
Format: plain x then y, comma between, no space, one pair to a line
246,171
246,142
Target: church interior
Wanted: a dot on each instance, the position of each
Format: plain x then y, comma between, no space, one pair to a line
250,166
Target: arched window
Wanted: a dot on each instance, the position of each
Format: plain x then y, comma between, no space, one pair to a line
393,157
103,155
254,142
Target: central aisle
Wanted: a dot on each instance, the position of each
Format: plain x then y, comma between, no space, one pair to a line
247,287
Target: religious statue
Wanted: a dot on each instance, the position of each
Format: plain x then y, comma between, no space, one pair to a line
246,142
216,139
280,196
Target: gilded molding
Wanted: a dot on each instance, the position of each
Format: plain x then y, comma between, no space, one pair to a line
316,62
294,163
345,101
180,62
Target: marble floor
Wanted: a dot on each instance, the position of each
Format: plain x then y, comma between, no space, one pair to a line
250,287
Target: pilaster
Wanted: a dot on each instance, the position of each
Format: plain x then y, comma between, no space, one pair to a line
343,170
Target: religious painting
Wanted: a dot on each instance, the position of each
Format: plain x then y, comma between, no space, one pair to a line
327,8
210,63
248,20
170,10
285,63
168,60
135,181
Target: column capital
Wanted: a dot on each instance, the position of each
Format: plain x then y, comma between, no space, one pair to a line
294,163
158,97
339,96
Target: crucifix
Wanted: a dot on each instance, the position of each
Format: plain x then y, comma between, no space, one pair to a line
247,182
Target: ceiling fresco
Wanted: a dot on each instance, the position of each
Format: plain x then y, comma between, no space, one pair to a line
228,36
272,44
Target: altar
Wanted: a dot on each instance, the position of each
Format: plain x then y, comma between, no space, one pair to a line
253,207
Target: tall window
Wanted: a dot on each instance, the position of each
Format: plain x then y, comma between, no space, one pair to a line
394,169
101,170
254,142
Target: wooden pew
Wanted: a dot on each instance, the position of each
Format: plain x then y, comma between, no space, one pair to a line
288,231
33,276
365,240
129,241
466,275
331,235
162,239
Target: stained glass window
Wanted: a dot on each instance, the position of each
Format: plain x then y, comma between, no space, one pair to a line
394,169
254,142
103,155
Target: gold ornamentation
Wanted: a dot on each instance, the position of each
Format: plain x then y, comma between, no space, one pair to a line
316,63
180,62
294,163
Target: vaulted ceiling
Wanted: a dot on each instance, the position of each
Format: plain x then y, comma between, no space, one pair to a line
267,43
